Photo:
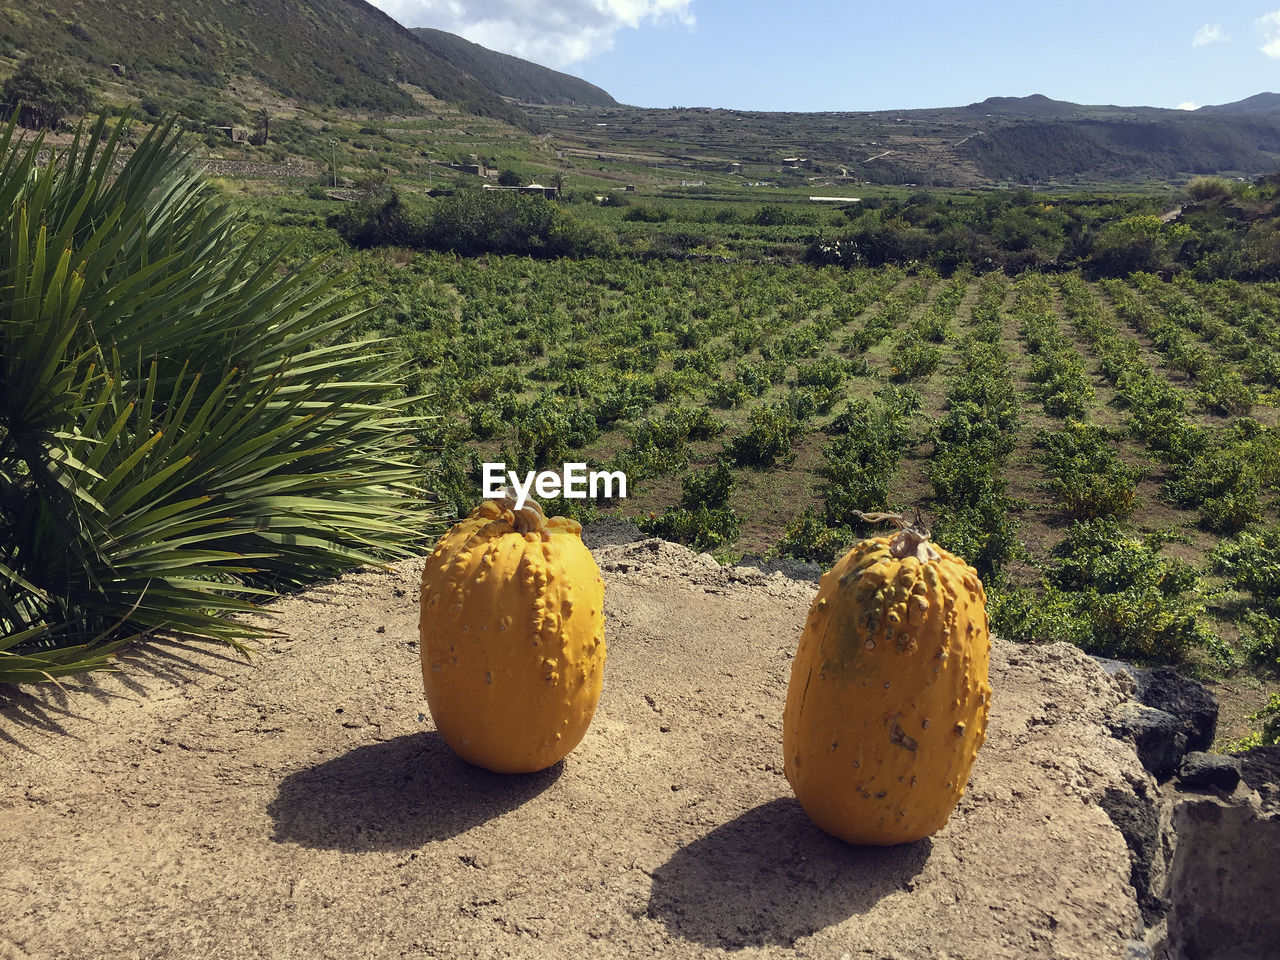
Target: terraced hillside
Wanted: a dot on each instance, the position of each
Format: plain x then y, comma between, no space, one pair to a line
1030,140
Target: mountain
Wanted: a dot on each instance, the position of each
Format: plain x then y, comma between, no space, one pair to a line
1000,140
1258,103
1179,145
1036,106
1036,139
510,76
343,53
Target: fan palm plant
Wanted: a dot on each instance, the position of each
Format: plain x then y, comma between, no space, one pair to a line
182,430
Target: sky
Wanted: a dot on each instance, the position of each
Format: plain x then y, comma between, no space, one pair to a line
856,55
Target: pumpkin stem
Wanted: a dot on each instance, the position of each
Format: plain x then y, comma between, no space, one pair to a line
912,538
528,519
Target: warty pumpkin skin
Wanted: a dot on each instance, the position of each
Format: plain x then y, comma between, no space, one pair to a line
512,637
889,694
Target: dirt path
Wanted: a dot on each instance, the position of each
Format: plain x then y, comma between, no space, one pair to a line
303,806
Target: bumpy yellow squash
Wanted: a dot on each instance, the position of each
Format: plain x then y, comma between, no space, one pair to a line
512,637
889,695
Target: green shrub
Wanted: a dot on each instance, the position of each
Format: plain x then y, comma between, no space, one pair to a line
727,394
770,435
963,476
1269,735
473,223
709,489
45,91
827,371
1261,641
912,358
1252,562
549,429
1047,615
1138,605
1088,478
703,519
971,426
808,538
984,535
379,217
1223,482
702,528
647,213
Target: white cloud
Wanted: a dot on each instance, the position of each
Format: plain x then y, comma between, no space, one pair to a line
1188,105
1269,27
551,32
1209,33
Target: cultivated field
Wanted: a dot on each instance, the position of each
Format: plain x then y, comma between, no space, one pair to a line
1101,451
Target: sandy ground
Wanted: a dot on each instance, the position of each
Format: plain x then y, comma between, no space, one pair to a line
302,806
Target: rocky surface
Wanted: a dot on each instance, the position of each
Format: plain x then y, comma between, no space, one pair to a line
1225,883
1209,771
302,806
293,168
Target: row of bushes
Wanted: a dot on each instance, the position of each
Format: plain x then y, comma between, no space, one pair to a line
1215,237
471,223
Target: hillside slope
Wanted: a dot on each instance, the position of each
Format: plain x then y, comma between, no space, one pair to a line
1258,103
1033,140
342,53
510,76
1126,150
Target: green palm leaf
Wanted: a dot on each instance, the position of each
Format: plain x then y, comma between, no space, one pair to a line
182,431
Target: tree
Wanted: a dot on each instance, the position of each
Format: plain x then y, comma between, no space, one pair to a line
558,180
44,92
1138,243
263,118
509,178
182,429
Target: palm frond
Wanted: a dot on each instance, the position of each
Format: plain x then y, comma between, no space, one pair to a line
181,430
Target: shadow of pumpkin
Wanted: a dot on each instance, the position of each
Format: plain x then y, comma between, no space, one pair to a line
395,795
771,877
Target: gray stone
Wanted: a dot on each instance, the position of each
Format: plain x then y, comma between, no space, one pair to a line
1260,770
1200,770
1112,667
1135,815
788,567
1157,736
610,530
1195,707
1224,882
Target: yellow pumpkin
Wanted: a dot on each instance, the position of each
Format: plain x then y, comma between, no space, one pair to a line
512,637
888,700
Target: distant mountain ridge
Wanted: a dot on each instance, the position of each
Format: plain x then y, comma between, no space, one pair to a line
1258,103
190,57
1050,139
510,76
1038,106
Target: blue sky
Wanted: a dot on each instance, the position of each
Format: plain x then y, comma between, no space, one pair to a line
827,55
